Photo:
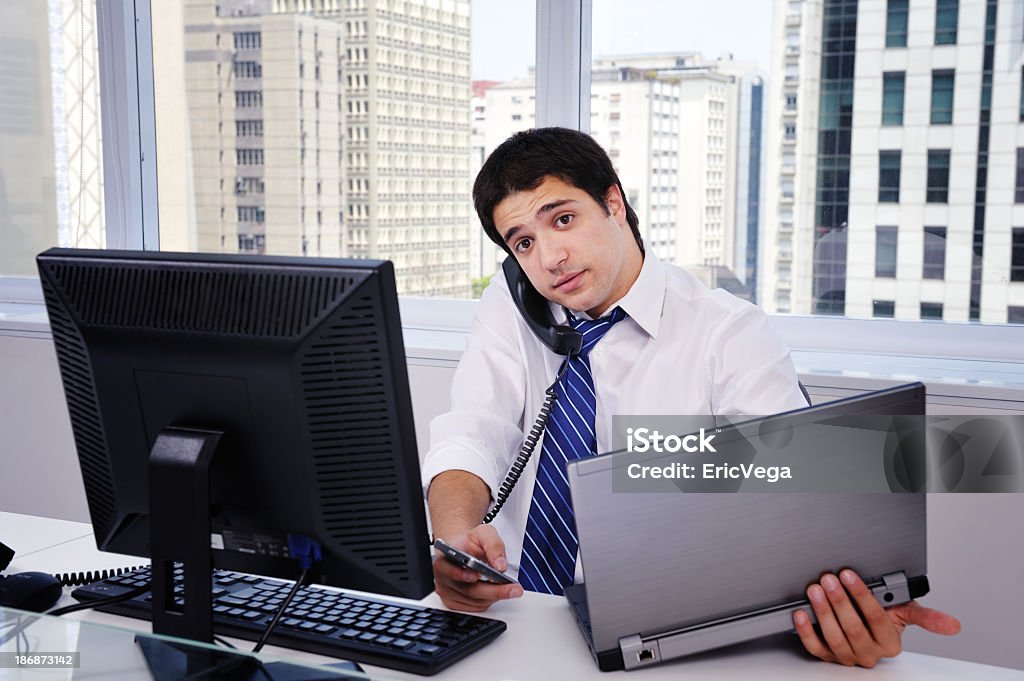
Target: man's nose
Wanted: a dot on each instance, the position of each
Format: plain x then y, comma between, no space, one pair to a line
552,254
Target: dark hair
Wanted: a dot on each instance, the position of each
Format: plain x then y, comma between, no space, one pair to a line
522,162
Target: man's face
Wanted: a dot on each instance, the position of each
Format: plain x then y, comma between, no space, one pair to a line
573,252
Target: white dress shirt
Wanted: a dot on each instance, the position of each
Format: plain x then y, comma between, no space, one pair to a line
683,350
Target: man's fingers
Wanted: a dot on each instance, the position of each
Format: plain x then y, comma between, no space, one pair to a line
881,628
490,546
448,570
929,619
809,637
830,628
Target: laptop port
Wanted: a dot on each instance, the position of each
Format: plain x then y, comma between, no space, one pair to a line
645,655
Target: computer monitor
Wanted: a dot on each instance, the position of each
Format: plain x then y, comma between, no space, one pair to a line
226,406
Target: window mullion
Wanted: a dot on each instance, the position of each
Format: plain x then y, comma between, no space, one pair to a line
563,63
128,124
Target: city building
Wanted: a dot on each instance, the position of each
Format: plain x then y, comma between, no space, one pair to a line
406,136
894,183
265,112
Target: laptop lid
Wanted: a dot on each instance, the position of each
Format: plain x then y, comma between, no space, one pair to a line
656,562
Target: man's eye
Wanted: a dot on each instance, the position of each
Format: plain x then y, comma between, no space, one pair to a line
523,244
564,219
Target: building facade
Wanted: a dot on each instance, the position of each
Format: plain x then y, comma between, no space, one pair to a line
893,160
265,112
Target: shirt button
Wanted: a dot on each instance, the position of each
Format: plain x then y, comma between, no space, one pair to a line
598,351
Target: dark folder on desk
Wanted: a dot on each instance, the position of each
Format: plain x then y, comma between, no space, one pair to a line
668,574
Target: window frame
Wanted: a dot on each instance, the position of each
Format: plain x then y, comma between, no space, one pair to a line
131,200
942,115
890,117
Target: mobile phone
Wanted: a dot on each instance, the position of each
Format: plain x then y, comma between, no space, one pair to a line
465,560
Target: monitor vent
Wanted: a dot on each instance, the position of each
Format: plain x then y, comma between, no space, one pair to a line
347,414
200,300
90,440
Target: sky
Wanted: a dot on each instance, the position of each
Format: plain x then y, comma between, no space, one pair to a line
503,43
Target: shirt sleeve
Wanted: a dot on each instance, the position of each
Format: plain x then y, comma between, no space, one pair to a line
483,430
751,371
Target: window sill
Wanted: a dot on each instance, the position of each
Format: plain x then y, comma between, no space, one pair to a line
860,354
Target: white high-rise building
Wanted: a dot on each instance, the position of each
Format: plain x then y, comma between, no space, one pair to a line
265,112
895,184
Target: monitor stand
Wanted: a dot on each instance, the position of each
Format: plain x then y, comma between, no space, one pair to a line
179,531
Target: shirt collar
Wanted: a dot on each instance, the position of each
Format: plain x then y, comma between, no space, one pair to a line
643,301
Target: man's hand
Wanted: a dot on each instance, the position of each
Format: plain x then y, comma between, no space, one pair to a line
861,638
461,588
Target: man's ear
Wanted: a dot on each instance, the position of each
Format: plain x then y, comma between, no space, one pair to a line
616,206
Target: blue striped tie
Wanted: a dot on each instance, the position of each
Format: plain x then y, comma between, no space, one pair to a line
549,548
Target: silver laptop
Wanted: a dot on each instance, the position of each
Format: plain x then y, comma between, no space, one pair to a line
669,574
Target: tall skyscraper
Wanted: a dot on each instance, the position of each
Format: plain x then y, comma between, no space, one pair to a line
265,110
407,136
893,183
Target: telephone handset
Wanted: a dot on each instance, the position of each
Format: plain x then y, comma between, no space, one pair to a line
562,339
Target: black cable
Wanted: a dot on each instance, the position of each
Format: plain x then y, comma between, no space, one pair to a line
20,625
224,642
280,611
126,596
526,451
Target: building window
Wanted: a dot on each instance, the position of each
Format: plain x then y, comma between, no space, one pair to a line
934,253
893,83
946,12
938,176
896,23
1022,93
883,308
885,252
1017,255
942,97
1015,315
1019,194
889,176
931,310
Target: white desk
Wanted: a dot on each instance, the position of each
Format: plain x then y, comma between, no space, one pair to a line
542,641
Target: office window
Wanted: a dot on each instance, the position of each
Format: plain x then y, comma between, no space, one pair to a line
1019,193
942,97
1022,93
883,308
938,176
1017,255
896,23
946,12
893,84
889,176
931,310
1015,314
885,251
934,253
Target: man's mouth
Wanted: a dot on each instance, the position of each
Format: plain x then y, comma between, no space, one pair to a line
568,282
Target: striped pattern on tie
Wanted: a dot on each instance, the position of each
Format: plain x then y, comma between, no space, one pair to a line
548,562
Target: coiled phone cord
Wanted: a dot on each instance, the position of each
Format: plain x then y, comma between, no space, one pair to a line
80,578
526,451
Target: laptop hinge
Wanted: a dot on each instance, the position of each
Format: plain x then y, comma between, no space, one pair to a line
638,651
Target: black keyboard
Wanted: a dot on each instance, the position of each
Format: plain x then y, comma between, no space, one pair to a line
408,638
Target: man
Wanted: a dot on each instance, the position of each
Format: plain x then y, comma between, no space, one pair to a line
660,343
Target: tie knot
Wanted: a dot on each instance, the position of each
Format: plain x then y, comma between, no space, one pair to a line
593,331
